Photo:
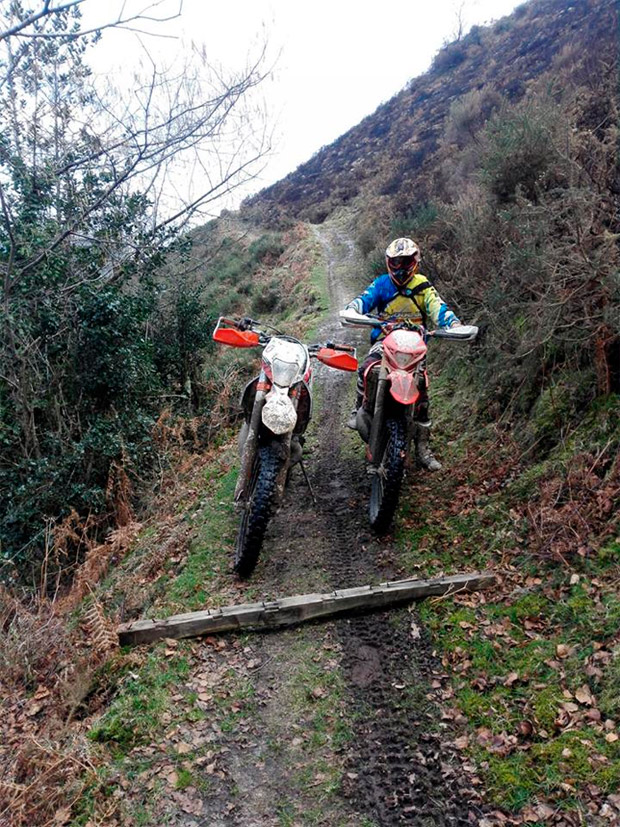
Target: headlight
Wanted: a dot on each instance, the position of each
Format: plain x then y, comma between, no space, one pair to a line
402,360
284,373
279,414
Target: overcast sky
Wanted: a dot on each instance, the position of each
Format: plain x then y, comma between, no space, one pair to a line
334,61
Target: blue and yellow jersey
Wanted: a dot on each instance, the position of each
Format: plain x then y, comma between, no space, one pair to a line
417,300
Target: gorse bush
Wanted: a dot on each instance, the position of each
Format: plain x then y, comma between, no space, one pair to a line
527,252
521,153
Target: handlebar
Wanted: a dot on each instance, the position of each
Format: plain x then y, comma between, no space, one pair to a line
349,317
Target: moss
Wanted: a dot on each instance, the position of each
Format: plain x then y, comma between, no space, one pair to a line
141,701
545,706
530,605
574,756
511,781
482,709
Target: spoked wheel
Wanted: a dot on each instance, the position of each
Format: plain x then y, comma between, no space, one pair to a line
386,483
258,508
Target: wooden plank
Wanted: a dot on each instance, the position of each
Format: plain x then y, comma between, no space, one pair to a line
290,610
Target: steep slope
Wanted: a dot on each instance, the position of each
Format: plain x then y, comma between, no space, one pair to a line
392,152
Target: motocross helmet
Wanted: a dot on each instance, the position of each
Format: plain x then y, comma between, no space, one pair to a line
402,258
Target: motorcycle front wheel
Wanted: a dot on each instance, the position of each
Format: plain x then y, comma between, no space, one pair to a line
258,508
386,482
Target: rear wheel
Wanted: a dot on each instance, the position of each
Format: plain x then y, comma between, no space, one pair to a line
258,508
386,482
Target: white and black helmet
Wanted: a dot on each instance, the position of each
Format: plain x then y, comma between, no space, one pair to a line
402,258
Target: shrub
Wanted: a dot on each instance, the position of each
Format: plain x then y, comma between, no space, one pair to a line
450,57
469,113
414,222
521,154
268,246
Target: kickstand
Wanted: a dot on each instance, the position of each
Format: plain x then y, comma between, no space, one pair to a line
303,471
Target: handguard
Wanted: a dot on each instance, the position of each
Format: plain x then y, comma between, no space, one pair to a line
349,317
462,333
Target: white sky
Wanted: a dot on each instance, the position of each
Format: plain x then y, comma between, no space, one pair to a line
334,60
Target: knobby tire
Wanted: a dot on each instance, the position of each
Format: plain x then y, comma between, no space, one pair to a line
258,508
385,486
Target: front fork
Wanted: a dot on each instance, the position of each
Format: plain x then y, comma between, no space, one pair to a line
373,451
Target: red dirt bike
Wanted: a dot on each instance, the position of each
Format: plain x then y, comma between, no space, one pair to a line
277,405
391,390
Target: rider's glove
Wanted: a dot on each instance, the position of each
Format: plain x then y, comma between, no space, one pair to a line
355,304
409,324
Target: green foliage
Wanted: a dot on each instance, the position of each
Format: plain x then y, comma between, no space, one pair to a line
521,154
183,339
415,221
269,246
81,342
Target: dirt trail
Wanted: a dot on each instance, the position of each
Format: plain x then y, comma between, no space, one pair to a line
371,673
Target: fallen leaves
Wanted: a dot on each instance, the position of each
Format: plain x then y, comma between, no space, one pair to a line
585,696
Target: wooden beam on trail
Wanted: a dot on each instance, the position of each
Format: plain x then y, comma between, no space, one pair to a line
290,610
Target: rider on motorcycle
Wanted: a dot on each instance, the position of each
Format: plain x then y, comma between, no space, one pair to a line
402,291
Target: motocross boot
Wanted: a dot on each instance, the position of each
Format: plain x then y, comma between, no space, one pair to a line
423,452
352,420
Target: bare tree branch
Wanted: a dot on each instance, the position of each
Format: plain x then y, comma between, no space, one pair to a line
45,11
121,22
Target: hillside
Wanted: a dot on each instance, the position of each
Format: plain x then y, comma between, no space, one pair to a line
395,151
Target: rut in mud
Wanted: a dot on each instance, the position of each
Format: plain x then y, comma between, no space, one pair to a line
402,773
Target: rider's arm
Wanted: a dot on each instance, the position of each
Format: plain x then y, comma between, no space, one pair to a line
437,309
373,296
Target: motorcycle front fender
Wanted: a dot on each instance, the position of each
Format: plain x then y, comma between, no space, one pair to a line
403,387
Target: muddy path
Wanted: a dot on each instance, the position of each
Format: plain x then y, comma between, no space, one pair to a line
342,728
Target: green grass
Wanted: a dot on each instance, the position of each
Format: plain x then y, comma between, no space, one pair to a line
184,779
514,662
141,700
538,693
213,532
238,703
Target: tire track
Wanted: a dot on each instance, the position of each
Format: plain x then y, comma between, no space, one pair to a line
399,770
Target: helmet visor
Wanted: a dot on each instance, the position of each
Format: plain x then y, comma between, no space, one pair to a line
401,268
402,262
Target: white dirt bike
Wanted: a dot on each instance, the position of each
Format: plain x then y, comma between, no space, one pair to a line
391,389
277,406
